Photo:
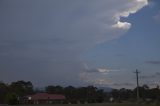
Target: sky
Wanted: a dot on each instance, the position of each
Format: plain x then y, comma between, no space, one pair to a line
80,42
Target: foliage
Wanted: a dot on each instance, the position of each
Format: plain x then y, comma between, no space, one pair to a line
11,98
21,88
146,94
3,91
14,92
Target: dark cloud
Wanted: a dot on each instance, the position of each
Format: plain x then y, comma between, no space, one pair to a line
147,77
92,71
153,62
123,84
42,41
156,75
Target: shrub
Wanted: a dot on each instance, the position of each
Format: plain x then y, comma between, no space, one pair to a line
11,99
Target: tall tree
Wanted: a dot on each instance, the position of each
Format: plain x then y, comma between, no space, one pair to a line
21,88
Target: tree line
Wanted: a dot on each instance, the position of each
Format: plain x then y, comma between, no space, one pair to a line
146,94
14,92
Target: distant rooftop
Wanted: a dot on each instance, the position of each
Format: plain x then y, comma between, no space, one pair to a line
46,96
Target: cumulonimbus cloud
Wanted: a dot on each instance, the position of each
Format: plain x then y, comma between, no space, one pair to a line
52,35
114,27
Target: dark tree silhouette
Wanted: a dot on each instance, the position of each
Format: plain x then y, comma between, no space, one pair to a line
21,88
3,91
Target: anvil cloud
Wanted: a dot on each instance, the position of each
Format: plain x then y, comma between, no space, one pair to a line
42,40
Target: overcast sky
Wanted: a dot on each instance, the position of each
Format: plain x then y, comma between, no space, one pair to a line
80,42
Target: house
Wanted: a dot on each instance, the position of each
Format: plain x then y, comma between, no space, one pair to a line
45,98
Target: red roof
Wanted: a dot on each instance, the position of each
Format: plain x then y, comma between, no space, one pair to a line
46,96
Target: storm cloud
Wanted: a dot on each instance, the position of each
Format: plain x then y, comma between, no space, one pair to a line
42,40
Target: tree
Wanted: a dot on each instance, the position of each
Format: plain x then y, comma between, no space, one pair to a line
3,91
100,96
21,88
11,98
54,89
70,92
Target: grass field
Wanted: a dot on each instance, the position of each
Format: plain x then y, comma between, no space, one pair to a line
102,104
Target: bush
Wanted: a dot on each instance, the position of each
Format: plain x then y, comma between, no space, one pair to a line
11,99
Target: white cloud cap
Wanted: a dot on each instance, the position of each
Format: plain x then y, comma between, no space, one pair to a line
122,25
133,7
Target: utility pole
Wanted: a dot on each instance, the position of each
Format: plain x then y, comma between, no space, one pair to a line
137,72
